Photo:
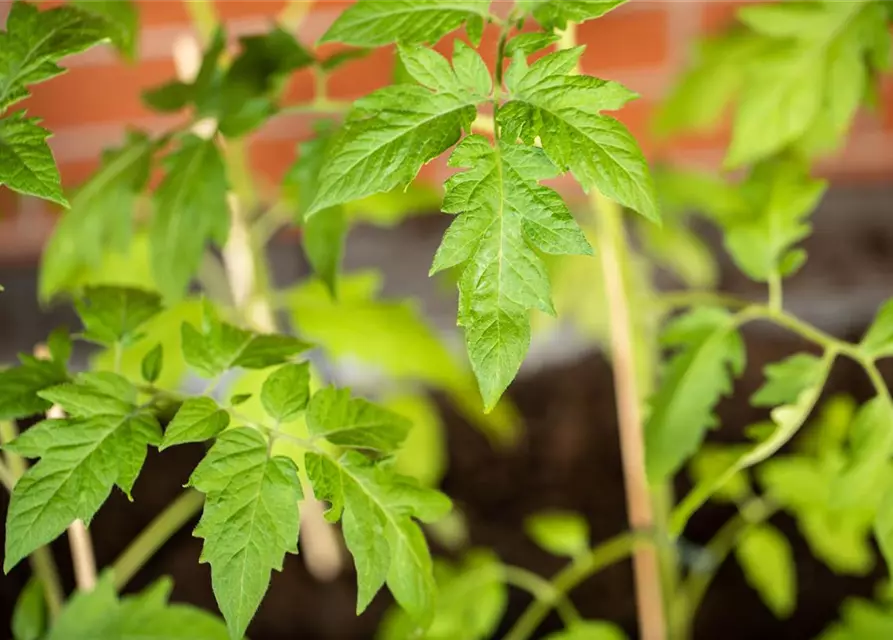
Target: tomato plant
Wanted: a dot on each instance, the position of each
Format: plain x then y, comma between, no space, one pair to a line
170,280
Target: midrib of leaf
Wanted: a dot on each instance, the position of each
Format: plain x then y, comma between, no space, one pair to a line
440,7
193,164
24,168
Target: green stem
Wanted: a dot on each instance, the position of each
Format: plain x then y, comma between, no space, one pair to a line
7,478
603,555
542,590
41,559
776,300
153,537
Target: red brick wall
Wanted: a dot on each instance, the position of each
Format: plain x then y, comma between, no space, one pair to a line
643,44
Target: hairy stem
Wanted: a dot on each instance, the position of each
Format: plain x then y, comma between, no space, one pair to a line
41,559
603,555
153,537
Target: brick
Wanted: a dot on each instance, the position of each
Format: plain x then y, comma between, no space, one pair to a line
87,95
887,103
173,12
625,40
362,76
717,15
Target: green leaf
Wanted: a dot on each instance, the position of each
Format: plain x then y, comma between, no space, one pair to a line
30,613
222,346
198,419
506,217
766,558
59,345
35,40
529,43
190,210
103,444
90,615
26,161
376,509
555,14
710,352
781,196
152,364
400,127
860,619
372,23
564,110
711,462
589,630
786,380
100,219
249,523
878,340
423,455
870,446
286,391
559,532
20,385
354,422
114,314
677,248
123,19
883,527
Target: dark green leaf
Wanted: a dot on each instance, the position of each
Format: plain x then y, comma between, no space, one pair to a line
372,23
26,161
250,520
20,385
240,398
123,20
354,422
30,613
286,391
114,314
190,210
197,420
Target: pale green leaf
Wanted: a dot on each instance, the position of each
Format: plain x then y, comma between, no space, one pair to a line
883,527
190,210
471,70
870,447
677,248
152,364
506,217
26,161
423,454
555,14
559,532
123,19
115,314
354,422
371,23
100,219
198,419
860,619
781,196
286,391
710,352
81,459
250,520
90,615
878,340
564,110
35,40
30,614
398,128
376,508
589,630
711,462
529,43
786,380
767,560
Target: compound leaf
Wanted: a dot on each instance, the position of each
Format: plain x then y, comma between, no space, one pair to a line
785,380
372,23
26,161
114,314
506,217
249,522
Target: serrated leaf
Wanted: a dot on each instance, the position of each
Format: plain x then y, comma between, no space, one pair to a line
26,161
710,352
589,630
555,14
400,127
354,422
506,217
100,219
152,364
30,613
20,385
35,40
286,391
372,23
786,380
198,419
222,346
766,558
81,458
781,196
564,110
559,532
115,314
90,615
878,340
529,43
190,211
377,511
249,522
123,20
